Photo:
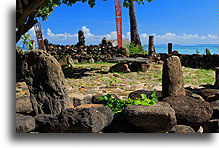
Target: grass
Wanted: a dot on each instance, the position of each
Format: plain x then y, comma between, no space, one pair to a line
96,75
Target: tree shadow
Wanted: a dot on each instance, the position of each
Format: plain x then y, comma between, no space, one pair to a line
198,89
77,73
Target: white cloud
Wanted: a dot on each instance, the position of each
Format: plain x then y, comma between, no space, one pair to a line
184,38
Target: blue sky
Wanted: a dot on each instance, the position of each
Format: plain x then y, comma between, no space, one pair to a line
176,21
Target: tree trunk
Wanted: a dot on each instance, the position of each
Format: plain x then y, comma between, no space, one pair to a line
133,25
25,15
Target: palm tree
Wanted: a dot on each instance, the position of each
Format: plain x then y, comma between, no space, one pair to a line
133,25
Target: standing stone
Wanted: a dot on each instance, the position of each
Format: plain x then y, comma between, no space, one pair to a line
104,41
216,84
170,45
172,78
45,80
81,39
151,49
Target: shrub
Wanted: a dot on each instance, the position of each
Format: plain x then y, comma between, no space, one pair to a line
118,106
135,50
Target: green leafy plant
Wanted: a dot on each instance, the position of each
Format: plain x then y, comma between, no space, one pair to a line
118,106
114,104
27,41
135,50
144,100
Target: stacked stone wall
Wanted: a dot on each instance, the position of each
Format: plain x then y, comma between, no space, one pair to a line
196,61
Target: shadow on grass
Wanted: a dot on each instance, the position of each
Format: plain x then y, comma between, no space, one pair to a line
198,89
77,73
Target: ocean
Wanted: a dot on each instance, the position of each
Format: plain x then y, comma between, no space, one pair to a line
187,49
183,49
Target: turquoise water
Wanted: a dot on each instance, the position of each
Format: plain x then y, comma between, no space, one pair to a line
187,49
184,49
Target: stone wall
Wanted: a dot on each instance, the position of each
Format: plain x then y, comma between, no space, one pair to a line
105,50
196,61
85,54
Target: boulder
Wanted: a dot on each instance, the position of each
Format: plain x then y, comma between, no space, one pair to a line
89,118
23,105
78,99
172,77
120,68
182,129
158,118
24,124
45,80
190,111
136,67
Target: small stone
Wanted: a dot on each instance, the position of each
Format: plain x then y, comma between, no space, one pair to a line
182,129
24,124
23,105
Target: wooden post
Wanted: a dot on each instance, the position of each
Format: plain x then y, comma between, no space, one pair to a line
216,85
170,45
151,49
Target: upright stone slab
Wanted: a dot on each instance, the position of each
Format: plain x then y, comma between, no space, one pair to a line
45,80
81,39
172,78
216,84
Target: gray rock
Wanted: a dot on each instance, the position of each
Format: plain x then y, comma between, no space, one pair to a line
172,77
46,82
136,67
23,105
91,60
155,119
189,110
182,129
120,68
78,99
24,124
89,118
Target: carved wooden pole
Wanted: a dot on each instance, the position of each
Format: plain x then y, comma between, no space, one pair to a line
151,49
216,85
170,45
